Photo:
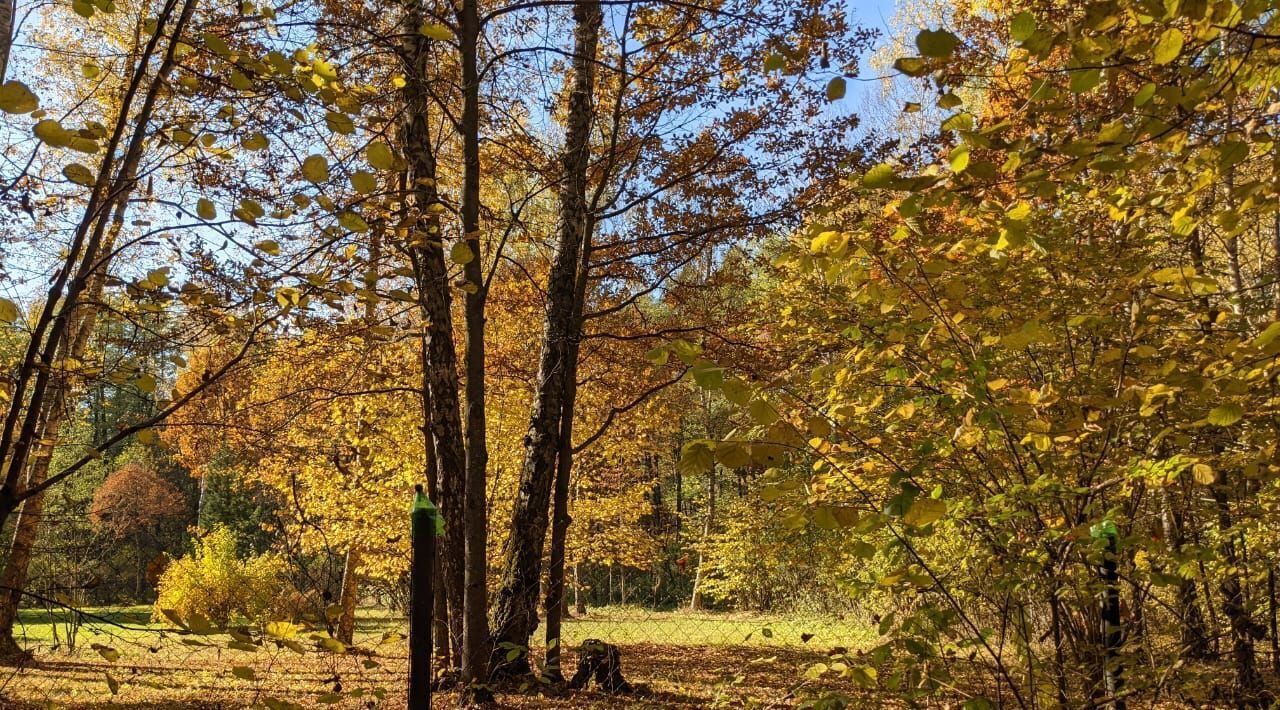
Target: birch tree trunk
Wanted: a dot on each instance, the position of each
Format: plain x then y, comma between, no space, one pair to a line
515,614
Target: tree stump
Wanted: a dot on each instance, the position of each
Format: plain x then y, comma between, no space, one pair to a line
602,661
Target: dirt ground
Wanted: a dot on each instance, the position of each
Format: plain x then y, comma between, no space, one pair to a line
208,677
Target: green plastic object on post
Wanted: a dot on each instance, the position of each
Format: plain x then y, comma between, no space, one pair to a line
424,510
1103,530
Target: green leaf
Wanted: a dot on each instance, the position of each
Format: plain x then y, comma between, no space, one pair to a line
924,511
268,246
315,168
339,123
732,454
15,97
937,44
353,222
243,672
708,376
1085,80
696,457
835,89
880,176
106,652
1225,414
960,158
1268,334
79,174
254,141
1144,94
1022,26
1168,47
774,62
112,684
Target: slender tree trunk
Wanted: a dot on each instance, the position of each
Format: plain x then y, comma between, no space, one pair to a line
440,395
1059,657
1275,266
1191,624
560,521
1273,618
84,257
349,596
579,601
564,468
1243,629
475,623
8,18
515,609
695,602
13,577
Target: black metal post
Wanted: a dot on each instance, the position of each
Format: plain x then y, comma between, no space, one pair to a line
421,602
1113,671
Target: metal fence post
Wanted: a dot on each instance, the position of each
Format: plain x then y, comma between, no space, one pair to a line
1112,632
425,524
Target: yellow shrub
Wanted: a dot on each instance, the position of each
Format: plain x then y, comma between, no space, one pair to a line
215,582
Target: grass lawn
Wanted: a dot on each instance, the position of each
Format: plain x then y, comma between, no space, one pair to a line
684,660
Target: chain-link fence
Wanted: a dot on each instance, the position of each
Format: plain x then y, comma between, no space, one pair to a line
126,658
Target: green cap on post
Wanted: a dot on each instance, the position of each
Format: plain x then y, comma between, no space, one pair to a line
424,513
1104,529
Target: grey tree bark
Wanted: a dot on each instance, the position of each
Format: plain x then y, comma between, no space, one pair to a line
515,615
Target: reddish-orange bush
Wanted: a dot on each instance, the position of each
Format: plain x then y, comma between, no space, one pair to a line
133,498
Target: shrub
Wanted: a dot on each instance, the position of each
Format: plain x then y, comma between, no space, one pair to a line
215,582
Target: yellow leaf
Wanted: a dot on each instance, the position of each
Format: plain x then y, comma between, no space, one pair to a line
8,311
15,97
145,383
436,31
106,652
206,210
380,156
1168,46
353,222
254,141
460,253
364,182
968,436
1204,474
315,168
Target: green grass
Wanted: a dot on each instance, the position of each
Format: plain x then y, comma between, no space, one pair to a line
633,625
40,627
619,625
